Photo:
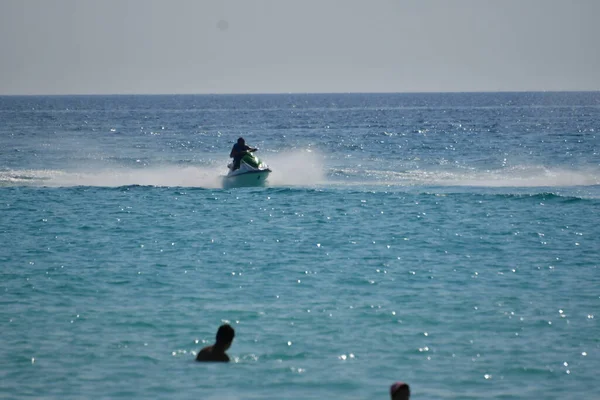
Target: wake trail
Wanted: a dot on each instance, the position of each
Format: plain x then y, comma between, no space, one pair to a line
299,168
517,176
208,178
304,168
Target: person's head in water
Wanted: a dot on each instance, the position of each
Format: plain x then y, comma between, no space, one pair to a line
241,141
400,391
225,336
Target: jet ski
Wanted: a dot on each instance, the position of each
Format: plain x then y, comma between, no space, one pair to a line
252,172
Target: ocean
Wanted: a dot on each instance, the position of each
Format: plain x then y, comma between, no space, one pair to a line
450,241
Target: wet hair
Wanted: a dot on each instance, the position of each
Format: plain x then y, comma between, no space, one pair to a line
225,334
241,140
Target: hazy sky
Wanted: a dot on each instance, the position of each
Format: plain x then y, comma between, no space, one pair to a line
273,46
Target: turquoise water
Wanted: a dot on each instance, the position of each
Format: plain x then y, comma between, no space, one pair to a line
448,241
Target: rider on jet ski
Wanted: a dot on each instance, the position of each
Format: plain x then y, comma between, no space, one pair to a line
238,151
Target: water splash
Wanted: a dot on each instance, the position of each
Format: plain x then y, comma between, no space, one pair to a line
299,168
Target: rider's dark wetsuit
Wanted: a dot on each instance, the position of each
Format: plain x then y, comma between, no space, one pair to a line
237,152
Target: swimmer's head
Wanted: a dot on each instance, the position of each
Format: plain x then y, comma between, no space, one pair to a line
225,335
400,391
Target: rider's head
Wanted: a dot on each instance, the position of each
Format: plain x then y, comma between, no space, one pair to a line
241,141
225,335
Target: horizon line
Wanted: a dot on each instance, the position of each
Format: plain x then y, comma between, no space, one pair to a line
294,93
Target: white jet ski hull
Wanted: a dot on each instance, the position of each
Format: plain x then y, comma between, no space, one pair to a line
252,172
246,179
